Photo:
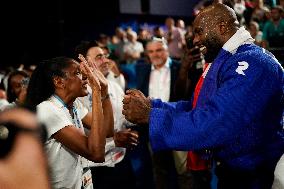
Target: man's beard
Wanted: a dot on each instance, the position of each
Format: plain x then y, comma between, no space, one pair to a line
213,46
157,62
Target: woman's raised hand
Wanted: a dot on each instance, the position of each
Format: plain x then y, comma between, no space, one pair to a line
102,80
98,73
89,72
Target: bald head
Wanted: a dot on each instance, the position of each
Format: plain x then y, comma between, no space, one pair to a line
216,14
213,27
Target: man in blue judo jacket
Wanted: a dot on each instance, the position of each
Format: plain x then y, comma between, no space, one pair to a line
238,109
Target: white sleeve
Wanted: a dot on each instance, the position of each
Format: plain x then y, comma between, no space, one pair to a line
82,110
53,117
278,182
125,48
120,80
86,101
141,48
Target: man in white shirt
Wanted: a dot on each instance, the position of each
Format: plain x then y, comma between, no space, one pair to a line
132,49
116,171
157,80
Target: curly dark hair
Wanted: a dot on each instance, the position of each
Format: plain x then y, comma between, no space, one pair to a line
41,85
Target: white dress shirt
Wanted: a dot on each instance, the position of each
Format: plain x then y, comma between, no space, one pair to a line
160,82
120,80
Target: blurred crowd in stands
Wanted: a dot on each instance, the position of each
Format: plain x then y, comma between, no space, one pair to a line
128,56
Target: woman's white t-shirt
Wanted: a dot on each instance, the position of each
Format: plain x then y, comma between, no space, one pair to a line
65,165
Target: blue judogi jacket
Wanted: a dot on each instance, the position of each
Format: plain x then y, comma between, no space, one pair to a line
238,111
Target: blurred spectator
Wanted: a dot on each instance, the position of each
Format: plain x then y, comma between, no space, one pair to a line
273,32
22,162
281,3
158,32
189,32
17,87
103,39
180,24
143,36
121,36
175,39
255,33
30,69
109,42
3,100
260,13
240,8
132,49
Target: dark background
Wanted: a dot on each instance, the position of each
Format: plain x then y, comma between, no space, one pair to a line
33,31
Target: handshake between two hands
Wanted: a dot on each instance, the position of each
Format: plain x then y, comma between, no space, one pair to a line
136,107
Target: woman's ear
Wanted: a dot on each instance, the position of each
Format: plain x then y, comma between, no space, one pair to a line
58,82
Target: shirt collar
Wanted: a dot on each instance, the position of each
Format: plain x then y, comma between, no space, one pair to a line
166,65
57,101
242,36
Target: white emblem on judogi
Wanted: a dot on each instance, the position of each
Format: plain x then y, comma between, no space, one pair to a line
242,67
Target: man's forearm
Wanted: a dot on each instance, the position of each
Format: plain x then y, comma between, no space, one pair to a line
182,84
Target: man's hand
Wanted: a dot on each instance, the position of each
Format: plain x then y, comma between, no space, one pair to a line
139,94
189,57
113,67
136,107
126,138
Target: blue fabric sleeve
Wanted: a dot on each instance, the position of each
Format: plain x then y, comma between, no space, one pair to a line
176,106
239,100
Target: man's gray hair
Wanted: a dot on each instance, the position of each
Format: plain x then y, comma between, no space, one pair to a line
160,40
